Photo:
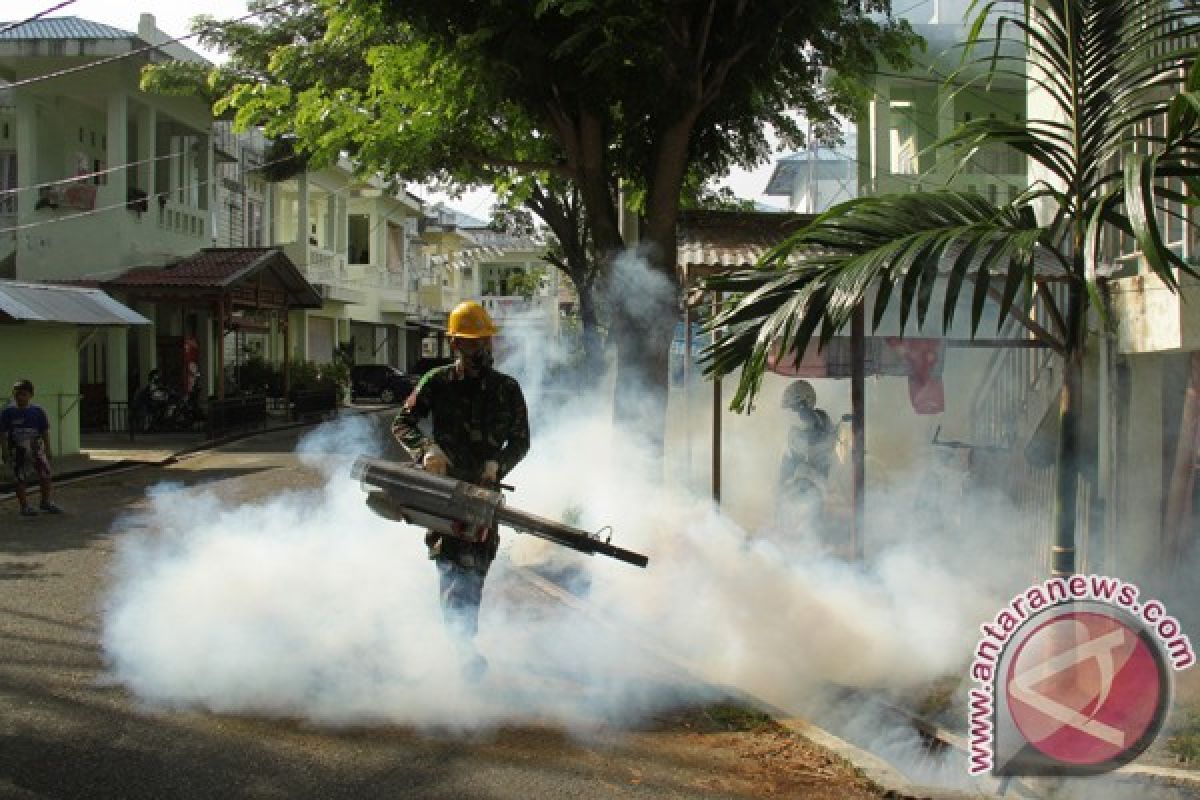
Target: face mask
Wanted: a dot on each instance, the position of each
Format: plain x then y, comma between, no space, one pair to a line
476,362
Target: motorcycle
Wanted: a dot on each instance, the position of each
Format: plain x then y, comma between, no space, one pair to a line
159,408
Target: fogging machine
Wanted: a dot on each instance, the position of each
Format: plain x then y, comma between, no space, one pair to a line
405,491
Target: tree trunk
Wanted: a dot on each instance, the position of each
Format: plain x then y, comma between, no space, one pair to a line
649,309
1070,415
593,349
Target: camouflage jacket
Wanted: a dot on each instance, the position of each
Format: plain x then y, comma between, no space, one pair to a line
475,420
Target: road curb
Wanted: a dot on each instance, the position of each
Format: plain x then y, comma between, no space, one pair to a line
7,489
874,768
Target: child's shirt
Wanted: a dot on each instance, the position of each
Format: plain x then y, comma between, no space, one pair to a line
23,427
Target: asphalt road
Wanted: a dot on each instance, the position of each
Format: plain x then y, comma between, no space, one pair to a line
67,730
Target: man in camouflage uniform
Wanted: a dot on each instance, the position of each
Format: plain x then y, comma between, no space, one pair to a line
480,432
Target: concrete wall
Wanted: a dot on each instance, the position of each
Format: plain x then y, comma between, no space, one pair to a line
47,355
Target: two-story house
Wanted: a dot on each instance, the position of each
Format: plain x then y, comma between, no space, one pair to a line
355,240
101,177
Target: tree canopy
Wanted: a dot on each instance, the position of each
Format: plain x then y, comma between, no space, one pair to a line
603,93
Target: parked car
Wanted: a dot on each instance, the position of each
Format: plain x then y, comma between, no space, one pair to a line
423,365
388,384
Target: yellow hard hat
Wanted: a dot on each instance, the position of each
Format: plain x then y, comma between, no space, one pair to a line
469,320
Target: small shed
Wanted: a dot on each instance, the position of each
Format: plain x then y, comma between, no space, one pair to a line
43,327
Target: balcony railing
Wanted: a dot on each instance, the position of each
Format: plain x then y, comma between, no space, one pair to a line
181,219
501,306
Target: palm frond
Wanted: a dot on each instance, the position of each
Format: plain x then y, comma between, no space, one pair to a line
913,243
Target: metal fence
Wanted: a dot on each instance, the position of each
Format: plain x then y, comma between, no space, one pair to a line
314,403
235,413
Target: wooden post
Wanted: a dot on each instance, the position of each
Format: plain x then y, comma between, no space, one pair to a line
221,347
716,429
687,391
287,352
858,429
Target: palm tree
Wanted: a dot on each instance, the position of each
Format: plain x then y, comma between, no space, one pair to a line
1106,69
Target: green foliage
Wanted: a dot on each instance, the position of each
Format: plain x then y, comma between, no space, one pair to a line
310,375
1115,63
513,221
527,283
717,199
257,374
1184,739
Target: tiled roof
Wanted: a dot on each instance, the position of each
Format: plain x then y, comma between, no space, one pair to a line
711,241
214,267
220,268
62,28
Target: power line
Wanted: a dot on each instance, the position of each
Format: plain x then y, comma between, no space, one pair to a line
87,176
10,26
137,51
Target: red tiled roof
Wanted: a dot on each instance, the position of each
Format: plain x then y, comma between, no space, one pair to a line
221,268
213,267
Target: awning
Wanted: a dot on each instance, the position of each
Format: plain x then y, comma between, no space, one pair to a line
42,302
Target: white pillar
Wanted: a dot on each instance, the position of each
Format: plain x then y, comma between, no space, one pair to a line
302,212
117,152
147,147
27,154
881,134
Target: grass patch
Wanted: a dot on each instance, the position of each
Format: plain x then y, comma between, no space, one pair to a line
1184,741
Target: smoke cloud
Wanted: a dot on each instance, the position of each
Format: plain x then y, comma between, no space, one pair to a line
308,605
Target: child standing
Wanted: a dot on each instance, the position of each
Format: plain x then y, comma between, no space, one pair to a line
24,434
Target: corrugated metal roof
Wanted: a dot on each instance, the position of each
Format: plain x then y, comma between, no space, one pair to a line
714,241
41,302
62,28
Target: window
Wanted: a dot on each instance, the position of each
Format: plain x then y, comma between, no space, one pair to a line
254,223
8,181
359,229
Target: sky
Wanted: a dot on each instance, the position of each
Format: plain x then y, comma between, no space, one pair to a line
173,18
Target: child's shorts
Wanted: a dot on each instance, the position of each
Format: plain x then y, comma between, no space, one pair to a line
27,466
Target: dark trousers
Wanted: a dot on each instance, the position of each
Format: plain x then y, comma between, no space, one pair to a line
462,568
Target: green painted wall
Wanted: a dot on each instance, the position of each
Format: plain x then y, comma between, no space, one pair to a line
47,355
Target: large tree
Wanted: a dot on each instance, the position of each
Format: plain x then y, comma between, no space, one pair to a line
1104,70
604,93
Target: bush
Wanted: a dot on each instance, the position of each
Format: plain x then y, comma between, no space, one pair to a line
306,375
257,375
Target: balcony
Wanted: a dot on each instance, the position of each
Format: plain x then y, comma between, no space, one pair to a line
182,220
509,306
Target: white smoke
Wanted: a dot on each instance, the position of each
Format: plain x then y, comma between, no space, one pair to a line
306,604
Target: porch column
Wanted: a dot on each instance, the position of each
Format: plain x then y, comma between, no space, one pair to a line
116,375
147,147
27,155
117,152
220,348
881,134
302,213
287,350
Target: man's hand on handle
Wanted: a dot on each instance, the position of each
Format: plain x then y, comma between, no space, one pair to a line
435,461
